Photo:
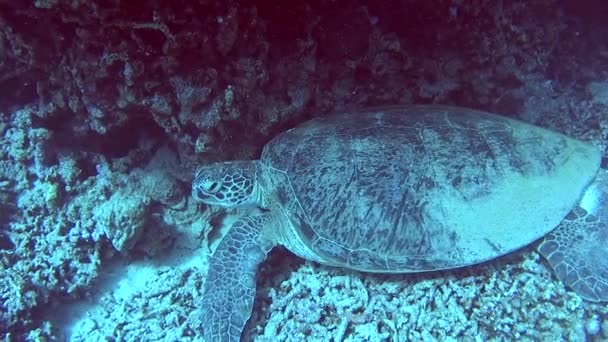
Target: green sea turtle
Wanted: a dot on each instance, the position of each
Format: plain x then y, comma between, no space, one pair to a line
407,189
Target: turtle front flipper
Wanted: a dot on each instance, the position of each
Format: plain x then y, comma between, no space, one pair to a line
230,286
578,248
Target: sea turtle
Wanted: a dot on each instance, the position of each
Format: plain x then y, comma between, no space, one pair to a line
407,189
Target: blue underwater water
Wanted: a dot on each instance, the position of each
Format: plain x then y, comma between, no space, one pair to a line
107,110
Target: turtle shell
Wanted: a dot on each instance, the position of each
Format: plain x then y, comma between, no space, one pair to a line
421,188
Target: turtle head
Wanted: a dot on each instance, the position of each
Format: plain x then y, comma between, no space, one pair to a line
226,184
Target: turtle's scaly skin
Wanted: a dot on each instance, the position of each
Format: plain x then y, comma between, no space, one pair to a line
577,248
230,283
403,189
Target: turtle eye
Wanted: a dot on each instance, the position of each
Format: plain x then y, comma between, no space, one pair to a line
212,187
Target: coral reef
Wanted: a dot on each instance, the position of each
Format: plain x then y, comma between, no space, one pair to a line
107,107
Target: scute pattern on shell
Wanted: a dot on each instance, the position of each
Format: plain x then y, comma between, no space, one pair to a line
360,186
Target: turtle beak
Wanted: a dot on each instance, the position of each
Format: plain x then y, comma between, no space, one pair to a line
200,195
209,199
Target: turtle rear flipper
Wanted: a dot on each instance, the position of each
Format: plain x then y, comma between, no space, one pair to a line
230,286
578,248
